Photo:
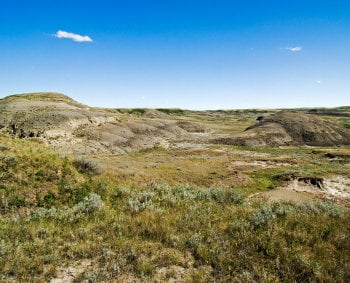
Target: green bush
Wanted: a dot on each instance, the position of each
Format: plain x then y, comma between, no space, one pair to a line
17,201
48,200
137,111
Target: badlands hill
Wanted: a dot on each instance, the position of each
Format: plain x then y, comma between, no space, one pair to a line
287,128
302,129
67,124
76,128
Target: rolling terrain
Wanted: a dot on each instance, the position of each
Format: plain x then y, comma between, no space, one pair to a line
172,195
68,125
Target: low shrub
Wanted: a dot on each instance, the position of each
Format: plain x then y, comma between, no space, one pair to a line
262,217
329,208
225,196
89,205
84,165
140,202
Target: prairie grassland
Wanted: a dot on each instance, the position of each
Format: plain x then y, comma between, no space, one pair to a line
160,215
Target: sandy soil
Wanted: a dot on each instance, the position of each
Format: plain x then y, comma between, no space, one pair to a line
334,187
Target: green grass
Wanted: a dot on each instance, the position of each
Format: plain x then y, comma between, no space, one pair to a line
346,125
56,214
33,175
137,111
141,231
172,111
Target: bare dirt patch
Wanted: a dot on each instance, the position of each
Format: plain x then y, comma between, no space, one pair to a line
338,186
258,164
287,195
71,273
308,189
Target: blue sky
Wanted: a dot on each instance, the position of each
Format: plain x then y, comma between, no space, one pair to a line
189,54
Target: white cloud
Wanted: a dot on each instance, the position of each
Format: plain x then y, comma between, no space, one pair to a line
73,36
294,49
318,82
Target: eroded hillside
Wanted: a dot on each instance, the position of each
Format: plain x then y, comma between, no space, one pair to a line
72,127
75,128
291,128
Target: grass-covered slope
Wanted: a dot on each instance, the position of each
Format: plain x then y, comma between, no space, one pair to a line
63,219
32,175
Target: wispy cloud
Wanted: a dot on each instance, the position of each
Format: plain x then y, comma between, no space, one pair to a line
293,49
73,36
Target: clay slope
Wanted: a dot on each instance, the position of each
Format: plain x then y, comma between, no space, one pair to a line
293,128
75,128
46,115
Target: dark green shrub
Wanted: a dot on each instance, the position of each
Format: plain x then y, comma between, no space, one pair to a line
79,194
48,200
17,201
137,111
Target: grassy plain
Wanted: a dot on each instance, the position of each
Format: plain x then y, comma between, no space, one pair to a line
158,215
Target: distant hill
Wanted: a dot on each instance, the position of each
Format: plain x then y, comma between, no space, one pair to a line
72,127
292,128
